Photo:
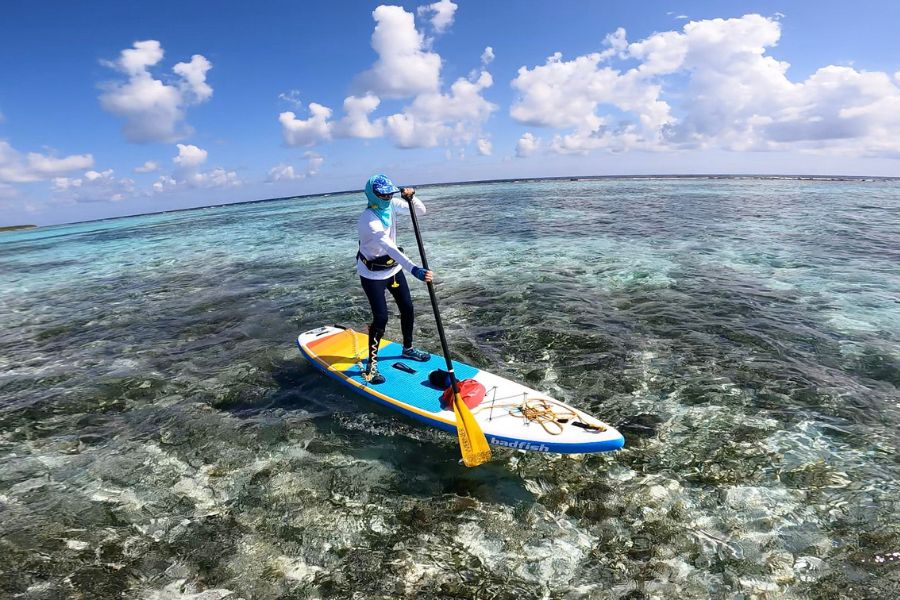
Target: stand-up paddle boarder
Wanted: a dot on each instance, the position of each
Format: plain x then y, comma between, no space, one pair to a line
380,264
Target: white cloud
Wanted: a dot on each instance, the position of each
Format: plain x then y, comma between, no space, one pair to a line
442,13
189,156
217,177
292,97
485,148
567,94
545,101
16,168
356,123
154,110
194,86
616,44
93,186
283,172
487,57
164,183
433,117
44,166
135,60
404,67
314,163
726,91
300,132
148,167
437,118
527,145
187,174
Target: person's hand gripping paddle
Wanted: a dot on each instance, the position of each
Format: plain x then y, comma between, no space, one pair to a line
472,443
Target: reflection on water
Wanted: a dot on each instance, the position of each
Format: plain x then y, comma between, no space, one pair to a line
161,437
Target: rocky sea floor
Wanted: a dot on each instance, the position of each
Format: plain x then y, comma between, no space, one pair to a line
162,438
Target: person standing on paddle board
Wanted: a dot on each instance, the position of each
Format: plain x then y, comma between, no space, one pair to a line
380,264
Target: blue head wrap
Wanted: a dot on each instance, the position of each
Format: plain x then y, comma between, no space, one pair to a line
381,207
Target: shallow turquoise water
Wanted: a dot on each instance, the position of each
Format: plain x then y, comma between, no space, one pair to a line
161,437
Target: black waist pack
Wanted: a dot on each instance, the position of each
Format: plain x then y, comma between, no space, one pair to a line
379,263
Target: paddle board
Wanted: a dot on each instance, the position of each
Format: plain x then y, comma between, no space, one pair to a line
511,415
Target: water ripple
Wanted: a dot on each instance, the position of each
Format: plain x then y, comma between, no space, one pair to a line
161,438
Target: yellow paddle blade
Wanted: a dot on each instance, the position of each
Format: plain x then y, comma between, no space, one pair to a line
472,443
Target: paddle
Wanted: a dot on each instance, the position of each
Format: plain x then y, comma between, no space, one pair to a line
472,443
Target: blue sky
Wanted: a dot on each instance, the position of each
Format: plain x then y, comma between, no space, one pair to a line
115,108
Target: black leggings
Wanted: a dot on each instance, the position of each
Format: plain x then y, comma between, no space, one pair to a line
374,289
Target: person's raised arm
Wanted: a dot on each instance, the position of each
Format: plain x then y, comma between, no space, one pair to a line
408,196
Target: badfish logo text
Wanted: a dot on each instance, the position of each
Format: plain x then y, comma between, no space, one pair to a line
520,445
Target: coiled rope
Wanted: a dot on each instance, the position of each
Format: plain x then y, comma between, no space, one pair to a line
550,414
373,367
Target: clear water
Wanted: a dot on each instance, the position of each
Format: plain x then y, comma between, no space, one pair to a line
160,437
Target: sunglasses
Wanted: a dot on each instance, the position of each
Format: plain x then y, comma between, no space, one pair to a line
385,196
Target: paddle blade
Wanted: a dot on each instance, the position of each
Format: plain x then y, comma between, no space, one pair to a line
472,443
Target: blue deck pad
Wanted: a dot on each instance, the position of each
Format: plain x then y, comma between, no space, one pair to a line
410,388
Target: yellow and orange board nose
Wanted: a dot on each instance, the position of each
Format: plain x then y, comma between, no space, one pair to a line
338,350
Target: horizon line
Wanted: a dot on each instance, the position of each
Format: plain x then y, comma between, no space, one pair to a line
503,180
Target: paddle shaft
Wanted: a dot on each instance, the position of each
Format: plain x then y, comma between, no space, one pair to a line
434,302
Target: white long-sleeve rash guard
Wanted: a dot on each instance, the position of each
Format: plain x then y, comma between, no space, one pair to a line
375,240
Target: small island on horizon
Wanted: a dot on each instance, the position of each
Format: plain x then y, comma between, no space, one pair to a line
17,227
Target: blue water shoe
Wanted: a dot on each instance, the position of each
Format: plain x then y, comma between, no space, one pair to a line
414,354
